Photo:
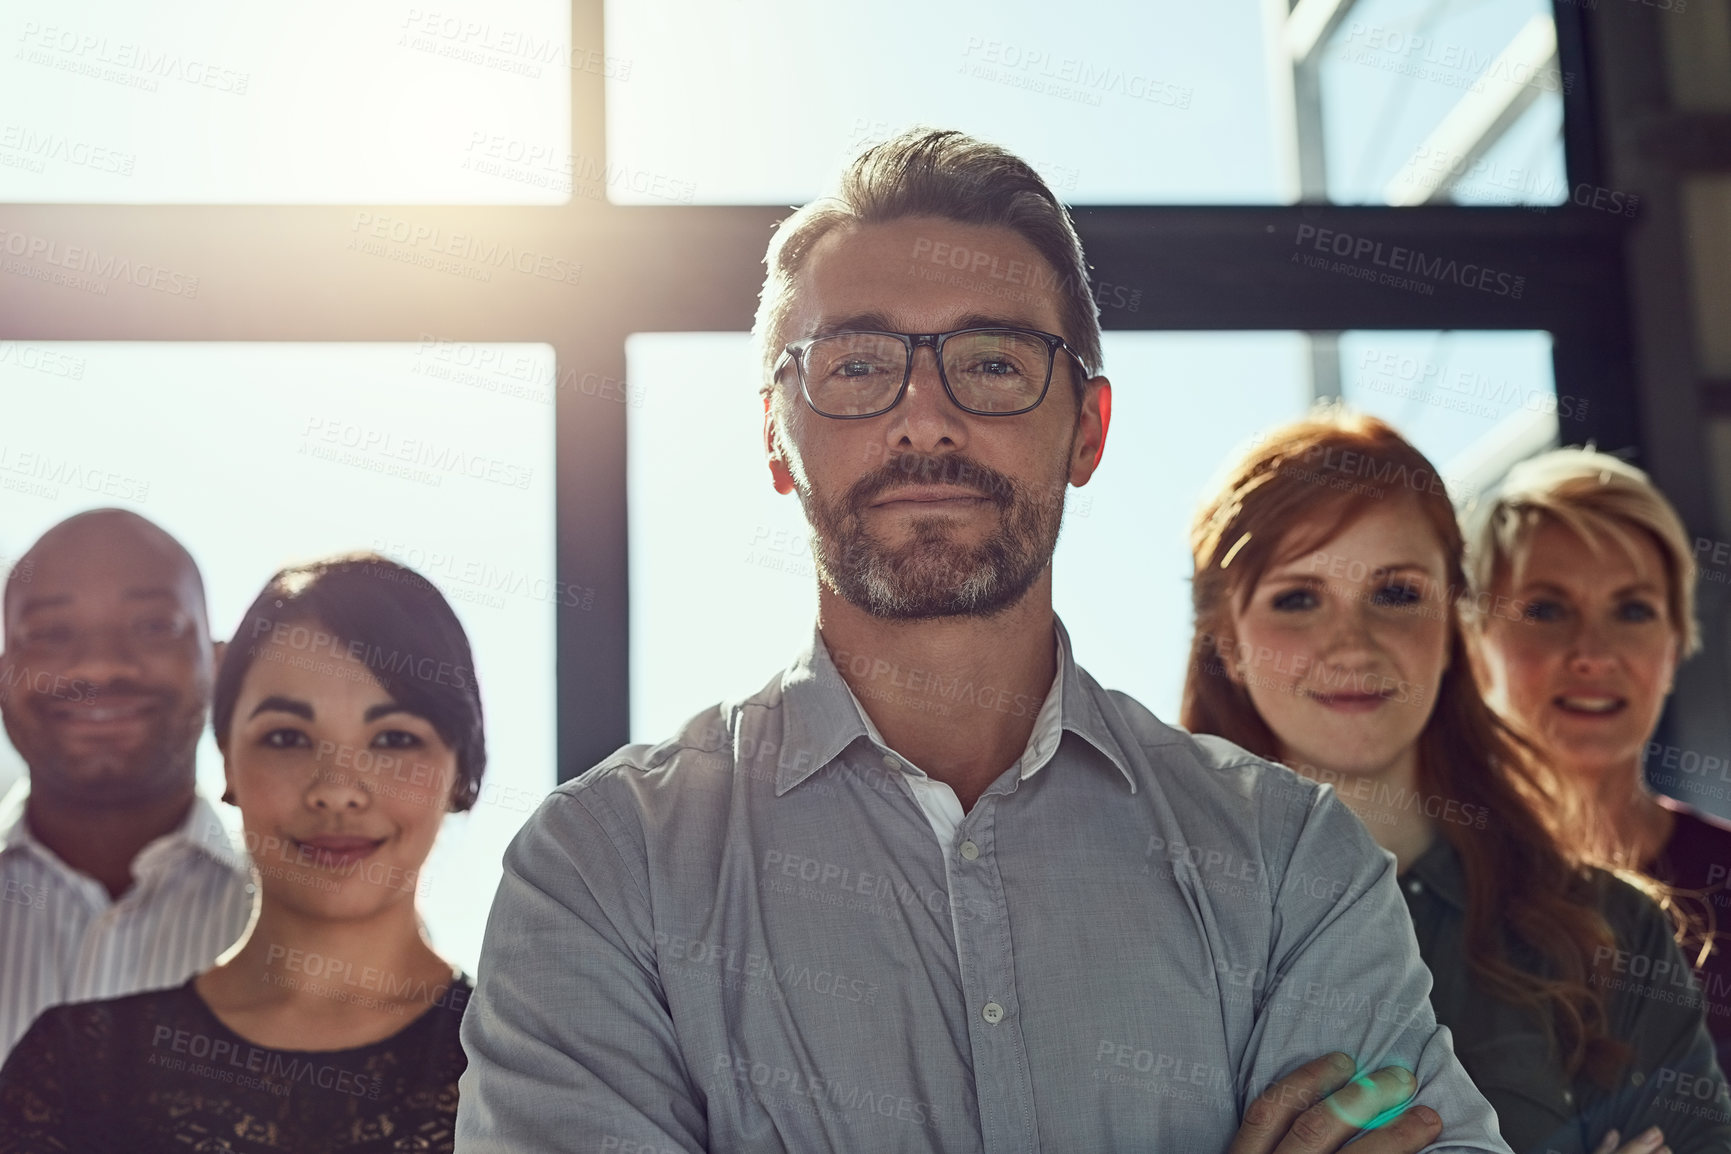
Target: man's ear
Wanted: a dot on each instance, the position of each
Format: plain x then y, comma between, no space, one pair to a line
1092,422
779,474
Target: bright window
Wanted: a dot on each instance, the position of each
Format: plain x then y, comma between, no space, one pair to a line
317,102
438,455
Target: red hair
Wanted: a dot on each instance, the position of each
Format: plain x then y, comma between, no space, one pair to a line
1528,892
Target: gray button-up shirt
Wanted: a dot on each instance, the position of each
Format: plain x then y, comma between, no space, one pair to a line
747,939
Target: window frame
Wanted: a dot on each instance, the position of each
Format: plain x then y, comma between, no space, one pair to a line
280,273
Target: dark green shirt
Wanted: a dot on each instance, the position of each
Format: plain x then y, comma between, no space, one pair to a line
1672,1080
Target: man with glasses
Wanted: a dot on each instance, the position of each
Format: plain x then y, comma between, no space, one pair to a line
933,888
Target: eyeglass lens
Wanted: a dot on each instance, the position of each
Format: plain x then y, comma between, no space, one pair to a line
990,371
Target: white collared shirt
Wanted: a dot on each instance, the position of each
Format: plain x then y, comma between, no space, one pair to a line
63,939
943,809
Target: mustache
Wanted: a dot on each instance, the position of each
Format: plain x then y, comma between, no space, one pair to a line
924,469
122,687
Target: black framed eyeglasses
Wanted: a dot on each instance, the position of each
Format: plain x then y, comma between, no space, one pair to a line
990,372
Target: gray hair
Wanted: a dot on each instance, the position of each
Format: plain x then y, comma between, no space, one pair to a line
946,174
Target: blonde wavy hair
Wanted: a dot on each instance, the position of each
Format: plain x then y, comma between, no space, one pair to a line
1602,499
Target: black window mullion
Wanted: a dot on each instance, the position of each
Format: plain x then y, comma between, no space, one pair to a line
284,273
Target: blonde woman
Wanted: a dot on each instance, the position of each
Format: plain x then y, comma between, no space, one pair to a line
1584,584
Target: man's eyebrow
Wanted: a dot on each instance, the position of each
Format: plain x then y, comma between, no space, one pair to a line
858,322
878,322
982,321
282,705
137,593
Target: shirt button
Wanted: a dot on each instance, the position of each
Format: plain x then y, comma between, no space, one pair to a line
1568,1097
1415,886
970,850
992,1012
1637,1077
891,763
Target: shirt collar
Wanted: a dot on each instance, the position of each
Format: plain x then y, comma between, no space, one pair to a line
1082,714
206,832
13,832
1439,869
819,715
822,716
202,831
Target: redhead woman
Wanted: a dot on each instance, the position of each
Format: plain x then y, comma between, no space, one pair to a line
1327,580
1596,573
349,721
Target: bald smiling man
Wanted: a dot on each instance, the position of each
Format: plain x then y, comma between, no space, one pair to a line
115,876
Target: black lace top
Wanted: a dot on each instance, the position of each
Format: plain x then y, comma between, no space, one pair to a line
160,1072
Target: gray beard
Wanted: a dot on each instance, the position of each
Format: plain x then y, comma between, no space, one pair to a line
931,575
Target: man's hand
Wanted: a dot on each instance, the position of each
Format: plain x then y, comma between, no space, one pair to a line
1649,1141
1322,1105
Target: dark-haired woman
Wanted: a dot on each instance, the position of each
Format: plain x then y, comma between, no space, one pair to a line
1327,576
349,721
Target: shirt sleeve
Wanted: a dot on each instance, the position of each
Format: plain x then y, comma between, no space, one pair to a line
570,1043
1344,973
32,1092
1673,1080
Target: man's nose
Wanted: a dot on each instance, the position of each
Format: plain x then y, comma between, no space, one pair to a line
927,419
102,655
